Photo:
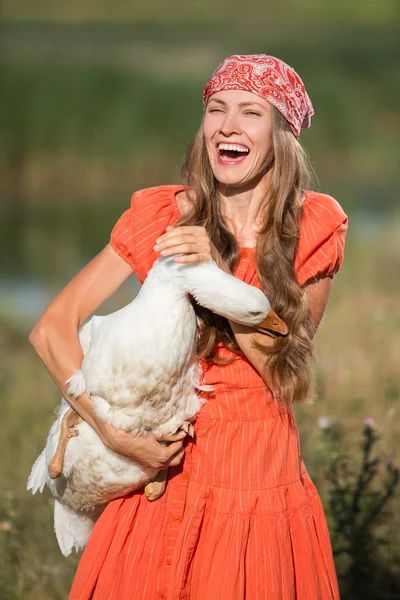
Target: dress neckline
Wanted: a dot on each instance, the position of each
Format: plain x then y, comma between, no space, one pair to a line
180,188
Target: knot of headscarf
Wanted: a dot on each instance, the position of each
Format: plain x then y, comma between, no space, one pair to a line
271,79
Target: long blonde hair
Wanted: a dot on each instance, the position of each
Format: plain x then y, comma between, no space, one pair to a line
288,361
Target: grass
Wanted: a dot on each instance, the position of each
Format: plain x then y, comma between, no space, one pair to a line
31,564
357,375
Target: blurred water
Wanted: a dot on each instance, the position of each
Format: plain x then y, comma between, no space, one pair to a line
23,300
368,223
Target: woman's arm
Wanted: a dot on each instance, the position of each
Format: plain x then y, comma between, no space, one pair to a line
318,294
55,335
55,339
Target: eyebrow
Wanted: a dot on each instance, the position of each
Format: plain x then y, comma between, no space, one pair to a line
241,104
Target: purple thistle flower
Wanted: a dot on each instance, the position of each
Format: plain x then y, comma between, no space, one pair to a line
324,422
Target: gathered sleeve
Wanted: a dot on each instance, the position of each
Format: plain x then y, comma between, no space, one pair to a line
135,233
322,237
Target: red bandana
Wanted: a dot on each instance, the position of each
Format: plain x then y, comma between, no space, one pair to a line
268,77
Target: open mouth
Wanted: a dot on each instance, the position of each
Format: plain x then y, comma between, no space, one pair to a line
232,153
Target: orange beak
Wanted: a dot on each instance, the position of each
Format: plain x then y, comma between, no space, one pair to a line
273,325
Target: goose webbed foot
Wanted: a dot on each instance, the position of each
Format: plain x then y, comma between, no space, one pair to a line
155,488
69,421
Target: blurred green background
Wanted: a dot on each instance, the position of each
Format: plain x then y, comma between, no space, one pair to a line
99,99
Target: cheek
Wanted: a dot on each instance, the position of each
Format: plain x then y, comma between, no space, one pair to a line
208,133
208,128
262,137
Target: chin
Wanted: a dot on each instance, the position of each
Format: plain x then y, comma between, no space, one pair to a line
231,182
236,181
227,176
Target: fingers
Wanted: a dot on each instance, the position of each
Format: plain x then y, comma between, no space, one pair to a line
202,252
183,239
192,243
191,229
173,437
147,450
192,258
187,244
171,460
178,233
167,452
186,248
176,460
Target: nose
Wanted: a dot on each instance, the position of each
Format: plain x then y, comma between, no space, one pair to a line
230,124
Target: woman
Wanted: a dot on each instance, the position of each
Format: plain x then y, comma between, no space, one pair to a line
240,518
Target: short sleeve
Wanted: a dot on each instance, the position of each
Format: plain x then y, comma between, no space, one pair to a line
322,238
135,233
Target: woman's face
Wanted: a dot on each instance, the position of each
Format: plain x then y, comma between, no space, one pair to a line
237,128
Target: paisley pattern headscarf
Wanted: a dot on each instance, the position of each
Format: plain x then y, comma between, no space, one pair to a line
271,79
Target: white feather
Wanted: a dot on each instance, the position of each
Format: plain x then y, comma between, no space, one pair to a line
76,384
38,476
72,529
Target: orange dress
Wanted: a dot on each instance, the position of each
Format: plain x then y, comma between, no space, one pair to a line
240,518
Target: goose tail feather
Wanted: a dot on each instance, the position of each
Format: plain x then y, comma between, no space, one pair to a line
72,529
38,475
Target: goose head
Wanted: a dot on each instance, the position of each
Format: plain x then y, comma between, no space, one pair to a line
230,297
248,305
272,325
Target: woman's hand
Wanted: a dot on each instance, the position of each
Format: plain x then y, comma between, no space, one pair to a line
145,450
193,242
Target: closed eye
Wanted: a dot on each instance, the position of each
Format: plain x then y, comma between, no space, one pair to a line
252,112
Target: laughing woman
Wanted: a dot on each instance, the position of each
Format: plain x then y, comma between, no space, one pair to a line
240,518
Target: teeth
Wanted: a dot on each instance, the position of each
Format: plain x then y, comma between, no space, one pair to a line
236,147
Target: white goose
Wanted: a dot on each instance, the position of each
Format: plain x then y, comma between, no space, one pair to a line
141,372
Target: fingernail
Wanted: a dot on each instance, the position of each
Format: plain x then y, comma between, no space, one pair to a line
158,240
163,251
156,247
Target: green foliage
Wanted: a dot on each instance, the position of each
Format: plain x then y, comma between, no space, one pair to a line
358,497
85,111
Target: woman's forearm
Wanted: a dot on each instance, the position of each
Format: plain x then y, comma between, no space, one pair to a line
245,338
60,351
